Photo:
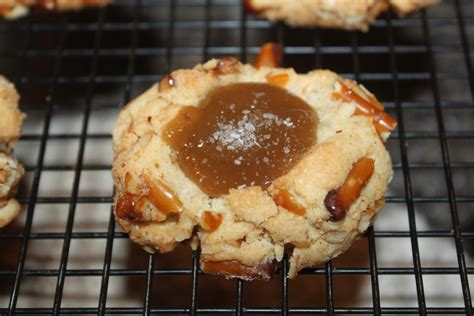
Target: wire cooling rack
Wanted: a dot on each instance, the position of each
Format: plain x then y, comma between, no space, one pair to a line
65,255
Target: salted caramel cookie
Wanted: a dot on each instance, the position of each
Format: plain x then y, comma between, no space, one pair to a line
13,9
343,14
10,170
252,161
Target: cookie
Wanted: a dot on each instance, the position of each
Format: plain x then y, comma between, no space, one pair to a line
342,14
404,7
13,9
10,170
10,174
11,118
254,162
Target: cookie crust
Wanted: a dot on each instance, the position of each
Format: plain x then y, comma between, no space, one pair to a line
10,174
11,170
404,7
342,14
13,9
254,231
11,118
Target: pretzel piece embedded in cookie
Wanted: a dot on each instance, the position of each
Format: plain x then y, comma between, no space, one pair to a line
366,104
339,200
270,55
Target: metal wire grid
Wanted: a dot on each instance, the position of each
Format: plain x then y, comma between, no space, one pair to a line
39,38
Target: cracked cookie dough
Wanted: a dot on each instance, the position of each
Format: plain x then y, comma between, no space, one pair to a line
343,14
10,170
13,9
11,118
10,174
176,166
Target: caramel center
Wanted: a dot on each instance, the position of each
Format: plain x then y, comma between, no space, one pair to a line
241,135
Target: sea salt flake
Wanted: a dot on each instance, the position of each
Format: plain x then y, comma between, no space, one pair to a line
237,135
249,126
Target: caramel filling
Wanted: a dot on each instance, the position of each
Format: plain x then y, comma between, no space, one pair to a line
241,135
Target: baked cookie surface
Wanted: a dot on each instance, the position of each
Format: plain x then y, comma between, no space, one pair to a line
11,118
10,170
12,9
314,211
10,174
404,7
344,14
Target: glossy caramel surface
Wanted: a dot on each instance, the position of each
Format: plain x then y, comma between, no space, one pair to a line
241,135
